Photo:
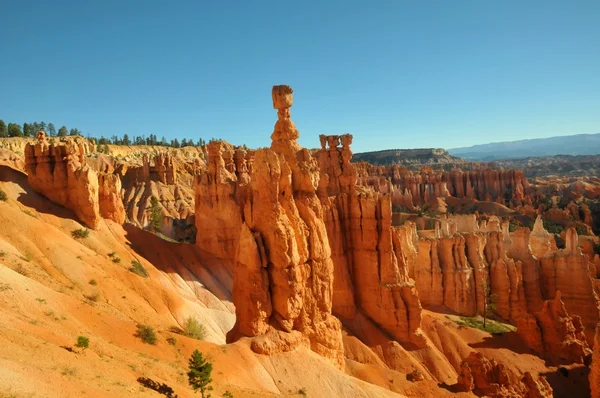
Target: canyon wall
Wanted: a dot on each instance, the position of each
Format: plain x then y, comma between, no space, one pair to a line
411,188
308,245
59,172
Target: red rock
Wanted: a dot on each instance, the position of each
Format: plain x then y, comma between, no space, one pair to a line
493,379
59,172
553,334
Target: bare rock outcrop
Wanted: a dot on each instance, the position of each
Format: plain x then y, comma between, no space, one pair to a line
553,334
410,188
486,377
568,270
594,376
371,268
59,172
260,212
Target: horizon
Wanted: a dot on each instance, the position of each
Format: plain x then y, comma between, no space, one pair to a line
396,76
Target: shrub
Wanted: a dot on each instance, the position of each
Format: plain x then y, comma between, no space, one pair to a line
199,373
3,196
80,233
116,260
227,394
172,340
146,334
93,282
302,391
138,269
194,329
581,230
112,254
94,296
82,342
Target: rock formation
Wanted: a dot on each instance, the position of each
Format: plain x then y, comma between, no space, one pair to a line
409,188
594,376
553,334
489,378
170,180
59,172
363,241
271,227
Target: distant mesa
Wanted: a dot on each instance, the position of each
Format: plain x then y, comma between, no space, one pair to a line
407,157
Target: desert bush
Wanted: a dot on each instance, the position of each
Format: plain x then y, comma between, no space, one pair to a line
303,392
194,329
172,340
80,233
93,282
94,296
3,196
112,254
146,334
82,342
138,269
116,260
227,394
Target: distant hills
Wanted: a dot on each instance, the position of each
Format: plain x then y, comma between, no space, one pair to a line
407,157
580,144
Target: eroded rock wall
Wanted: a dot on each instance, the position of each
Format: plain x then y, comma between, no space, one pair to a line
59,172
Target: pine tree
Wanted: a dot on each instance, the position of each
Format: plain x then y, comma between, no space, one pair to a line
3,129
63,132
27,130
156,214
14,130
51,130
489,302
199,374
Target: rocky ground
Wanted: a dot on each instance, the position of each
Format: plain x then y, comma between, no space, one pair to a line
312,275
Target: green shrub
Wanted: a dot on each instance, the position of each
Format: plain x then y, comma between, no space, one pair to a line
172,340
138,269
227,394
80,233
112,254
146,334
116,260
581,230
82,342
194,329
3,196
93,282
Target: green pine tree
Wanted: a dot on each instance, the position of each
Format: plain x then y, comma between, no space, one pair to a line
3,129
199,374
156,214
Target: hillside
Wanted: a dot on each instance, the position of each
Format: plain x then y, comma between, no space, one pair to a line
407,157
580,144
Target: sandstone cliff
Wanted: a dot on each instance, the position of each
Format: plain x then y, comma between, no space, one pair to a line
59,172
553,334
492,379
411,188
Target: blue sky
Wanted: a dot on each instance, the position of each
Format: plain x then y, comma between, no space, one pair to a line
396,74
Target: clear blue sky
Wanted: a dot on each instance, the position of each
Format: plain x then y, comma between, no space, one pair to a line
396,74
